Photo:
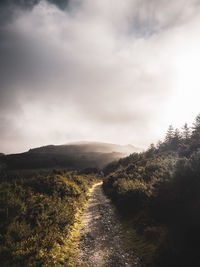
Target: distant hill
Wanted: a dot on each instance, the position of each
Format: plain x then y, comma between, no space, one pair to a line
79,155
85,147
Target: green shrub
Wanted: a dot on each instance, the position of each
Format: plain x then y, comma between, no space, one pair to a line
37,215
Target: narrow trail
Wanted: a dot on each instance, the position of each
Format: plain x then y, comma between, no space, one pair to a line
102,235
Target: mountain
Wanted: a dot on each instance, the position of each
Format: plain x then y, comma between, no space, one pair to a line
86,147
78,155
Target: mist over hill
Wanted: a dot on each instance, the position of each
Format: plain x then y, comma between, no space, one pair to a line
78,155
86,147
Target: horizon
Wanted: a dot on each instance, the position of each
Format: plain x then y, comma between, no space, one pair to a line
75,143
116,71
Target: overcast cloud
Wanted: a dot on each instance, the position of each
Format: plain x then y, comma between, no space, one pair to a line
106,70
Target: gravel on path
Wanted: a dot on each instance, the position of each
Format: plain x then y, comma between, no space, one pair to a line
102,242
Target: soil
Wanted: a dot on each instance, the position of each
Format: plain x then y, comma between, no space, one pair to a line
102,235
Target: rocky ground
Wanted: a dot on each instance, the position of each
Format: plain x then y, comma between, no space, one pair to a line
102,236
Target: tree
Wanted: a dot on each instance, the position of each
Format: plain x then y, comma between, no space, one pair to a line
176,140
152,148
196,127
186,132
195,137
169,135
184,147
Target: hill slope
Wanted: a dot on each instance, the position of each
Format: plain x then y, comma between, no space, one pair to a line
86,147
157,192
71,156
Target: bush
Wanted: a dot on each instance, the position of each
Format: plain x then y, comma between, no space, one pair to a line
37,215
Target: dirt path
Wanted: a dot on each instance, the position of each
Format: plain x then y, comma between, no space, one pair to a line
102,235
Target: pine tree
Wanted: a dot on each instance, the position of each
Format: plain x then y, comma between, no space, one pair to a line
151,149
176,140
169,136
186,132
195,137
196,126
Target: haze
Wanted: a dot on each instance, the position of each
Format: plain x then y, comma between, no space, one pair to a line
99,70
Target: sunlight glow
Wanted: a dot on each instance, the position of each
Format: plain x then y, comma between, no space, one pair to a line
184,103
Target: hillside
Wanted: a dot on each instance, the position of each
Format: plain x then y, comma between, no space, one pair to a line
85,147
157,194
71,156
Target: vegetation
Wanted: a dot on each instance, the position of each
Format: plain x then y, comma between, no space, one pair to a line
158,194
37,217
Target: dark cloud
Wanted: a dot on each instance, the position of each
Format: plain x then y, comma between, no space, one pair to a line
9,9
27,4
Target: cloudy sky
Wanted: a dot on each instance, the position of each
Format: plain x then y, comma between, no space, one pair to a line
106,70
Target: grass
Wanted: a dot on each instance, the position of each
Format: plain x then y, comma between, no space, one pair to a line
40,218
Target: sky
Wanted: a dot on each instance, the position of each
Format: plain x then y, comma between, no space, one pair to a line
100,70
